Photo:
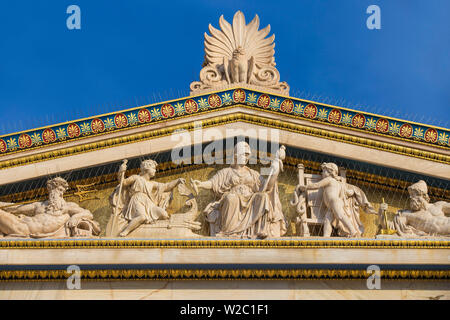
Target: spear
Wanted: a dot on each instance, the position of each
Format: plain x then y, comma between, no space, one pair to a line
387,230
115,215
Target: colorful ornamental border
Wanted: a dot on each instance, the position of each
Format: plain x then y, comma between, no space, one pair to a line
145,115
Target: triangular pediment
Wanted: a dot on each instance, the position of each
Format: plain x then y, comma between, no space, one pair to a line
87,152
239,180
265,103
317,125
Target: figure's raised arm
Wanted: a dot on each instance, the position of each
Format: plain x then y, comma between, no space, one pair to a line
312,186
121,175
26,209
129,181
122,170
197,184
172,184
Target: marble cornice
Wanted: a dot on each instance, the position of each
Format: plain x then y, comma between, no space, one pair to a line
420,135
216,121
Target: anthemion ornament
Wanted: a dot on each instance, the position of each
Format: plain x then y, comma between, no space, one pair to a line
239,54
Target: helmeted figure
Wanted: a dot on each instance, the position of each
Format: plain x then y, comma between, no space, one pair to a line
247,205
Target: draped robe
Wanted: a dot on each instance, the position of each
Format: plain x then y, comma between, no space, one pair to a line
354,199
142,198
242,211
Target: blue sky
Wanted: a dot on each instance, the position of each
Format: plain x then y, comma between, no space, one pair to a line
135,52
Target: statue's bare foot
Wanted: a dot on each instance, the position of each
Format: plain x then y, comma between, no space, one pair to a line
123,234
354,235
262,235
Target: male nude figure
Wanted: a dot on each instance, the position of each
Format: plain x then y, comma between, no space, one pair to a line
335,195
424,218
43,219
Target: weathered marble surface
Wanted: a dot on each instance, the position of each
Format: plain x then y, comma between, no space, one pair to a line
139,203
228,289
423,218
340,203
113,256
52,218
247,203
101,209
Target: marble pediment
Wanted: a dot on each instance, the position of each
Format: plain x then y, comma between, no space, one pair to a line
310,125
89,152
239,180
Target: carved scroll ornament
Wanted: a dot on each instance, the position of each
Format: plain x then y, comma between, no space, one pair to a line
239,54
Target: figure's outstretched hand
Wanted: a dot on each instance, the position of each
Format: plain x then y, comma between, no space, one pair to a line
384,206
275,167
181,181
195,184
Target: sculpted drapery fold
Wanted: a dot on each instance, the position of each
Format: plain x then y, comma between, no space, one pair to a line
143,195
242,210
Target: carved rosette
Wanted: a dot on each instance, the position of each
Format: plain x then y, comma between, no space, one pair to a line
239,54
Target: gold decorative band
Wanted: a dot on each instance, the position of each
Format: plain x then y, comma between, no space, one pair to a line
218,243
221,274
282,125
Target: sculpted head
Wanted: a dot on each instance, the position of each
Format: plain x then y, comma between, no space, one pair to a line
418,195
238,52
242,153
148,167
281,153
57,186
329,169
